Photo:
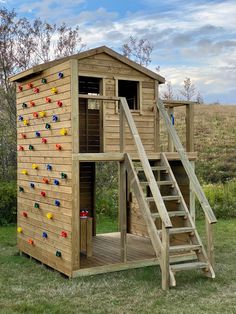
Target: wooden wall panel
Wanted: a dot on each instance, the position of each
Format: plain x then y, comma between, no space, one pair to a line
36,222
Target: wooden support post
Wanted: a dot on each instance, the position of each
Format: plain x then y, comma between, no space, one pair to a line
210,245
170,142
123,211
192,207
122,130
157,145
189,127
165,258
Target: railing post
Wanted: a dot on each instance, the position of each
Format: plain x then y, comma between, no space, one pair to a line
165,258
210,244
122,128
170,142
189,127
123,213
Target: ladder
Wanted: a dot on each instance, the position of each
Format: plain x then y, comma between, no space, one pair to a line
154,208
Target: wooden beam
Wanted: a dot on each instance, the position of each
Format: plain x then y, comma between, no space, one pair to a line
91,157
165,258
189,127
111,98
192,207
75,220
210,244
122,130
157,130
170,142
123,211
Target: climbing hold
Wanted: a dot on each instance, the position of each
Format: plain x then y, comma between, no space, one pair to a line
31,242
49,215
56,182
44,81
35,114
34,166
64,234
58,253
44,140
36,205
172,118
48,99
84,213
19,229
21,118
63,175
59,103
24,105
42,114
54,90
31,147
21,148
37,133
23,135
36,90
24,171
30,85
63,131
20,88
47,126
32,103
54,118
58,147
45,235
45,180
21,189
57,203
26,122
24,214
32,185
49,167
60,75
43,194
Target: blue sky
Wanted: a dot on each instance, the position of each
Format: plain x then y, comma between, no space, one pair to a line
191,38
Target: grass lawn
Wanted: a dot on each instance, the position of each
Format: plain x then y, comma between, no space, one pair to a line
28,287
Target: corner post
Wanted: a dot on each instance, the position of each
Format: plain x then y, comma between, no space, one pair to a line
210,244
75,219
122,128
189,127
165,258
170,142
123,211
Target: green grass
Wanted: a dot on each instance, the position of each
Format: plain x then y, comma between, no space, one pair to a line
105,224
28,287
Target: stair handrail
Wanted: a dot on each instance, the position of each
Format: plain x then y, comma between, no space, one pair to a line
186,164
125,112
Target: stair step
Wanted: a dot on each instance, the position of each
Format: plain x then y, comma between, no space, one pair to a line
188,266
159,183
178,213
185,248
156,168
181,230
165,198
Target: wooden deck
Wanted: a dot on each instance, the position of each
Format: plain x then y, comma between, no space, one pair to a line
106,250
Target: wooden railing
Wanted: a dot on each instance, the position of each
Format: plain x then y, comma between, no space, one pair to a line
125,115
189,131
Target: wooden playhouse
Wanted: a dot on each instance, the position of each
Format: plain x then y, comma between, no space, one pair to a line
100,106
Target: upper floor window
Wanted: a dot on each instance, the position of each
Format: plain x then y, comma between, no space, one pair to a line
129,90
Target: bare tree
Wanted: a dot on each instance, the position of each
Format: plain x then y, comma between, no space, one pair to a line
199,98
168,93
138,50
188,90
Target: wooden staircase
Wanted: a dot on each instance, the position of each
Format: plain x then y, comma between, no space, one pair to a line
148,183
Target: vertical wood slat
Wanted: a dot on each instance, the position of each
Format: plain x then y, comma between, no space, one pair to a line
170,142
75,236
165,258
189,127
192,207
123,211
210,245
122,130
157,147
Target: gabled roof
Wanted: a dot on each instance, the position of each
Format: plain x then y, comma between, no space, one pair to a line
103,49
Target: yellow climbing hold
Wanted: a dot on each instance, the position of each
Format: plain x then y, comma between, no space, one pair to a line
26,122
34,166
24,171
42,114
19,229
49,215
54,90
63,131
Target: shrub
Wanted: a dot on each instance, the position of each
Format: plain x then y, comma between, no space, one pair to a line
222,198
8,202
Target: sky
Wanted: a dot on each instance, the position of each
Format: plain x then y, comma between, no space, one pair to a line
191,38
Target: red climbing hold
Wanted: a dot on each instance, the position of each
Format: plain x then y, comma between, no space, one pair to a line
24,214
43,193
58,147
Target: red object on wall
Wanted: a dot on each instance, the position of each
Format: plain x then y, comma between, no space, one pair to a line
32,103
31,242
44,140
30,85
36,90
58,147
43,193
45,180
21,148
24,214
23,135
59,103
35,114
64,234
48,99
20,88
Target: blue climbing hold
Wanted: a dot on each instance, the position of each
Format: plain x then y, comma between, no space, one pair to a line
45,235
32,185
49,167
56,182
54,118
21,118
37,134
60,75
57,203
172,118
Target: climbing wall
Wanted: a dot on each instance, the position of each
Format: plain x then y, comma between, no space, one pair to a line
44,167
